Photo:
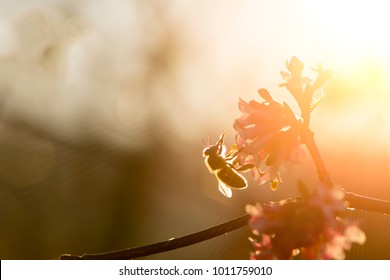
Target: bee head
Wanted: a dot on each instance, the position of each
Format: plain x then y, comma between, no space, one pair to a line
216,149
212,150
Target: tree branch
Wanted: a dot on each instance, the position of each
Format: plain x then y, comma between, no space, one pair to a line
308,139
366,203
164,246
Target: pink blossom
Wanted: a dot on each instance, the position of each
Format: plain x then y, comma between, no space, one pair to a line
308,229
301,87
268,137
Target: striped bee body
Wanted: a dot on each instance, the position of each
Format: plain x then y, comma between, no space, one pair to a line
222,166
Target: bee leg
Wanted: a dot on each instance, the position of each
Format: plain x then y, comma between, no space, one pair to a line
233,156
245,167
220,142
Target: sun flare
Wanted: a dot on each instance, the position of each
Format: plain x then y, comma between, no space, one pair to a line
355,29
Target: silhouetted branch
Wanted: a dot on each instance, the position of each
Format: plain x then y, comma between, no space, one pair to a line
323,174
164,246
370,204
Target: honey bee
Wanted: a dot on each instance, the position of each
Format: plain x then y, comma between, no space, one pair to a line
222,165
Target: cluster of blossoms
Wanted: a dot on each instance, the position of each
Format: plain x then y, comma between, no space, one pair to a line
303,229
269,133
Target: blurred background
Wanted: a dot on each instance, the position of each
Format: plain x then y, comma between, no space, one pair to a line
104,105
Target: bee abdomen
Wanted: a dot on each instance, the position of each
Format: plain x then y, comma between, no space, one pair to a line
231,178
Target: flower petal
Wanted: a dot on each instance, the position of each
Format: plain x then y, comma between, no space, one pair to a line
265,95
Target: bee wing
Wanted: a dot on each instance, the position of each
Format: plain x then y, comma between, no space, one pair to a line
231,178
225,190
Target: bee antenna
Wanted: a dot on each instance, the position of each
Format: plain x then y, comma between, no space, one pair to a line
208,142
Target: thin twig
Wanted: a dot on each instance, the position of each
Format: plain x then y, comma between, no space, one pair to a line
323,173
354,201
370,204
164,246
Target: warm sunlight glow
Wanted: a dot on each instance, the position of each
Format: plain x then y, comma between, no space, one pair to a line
104,105
354,31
